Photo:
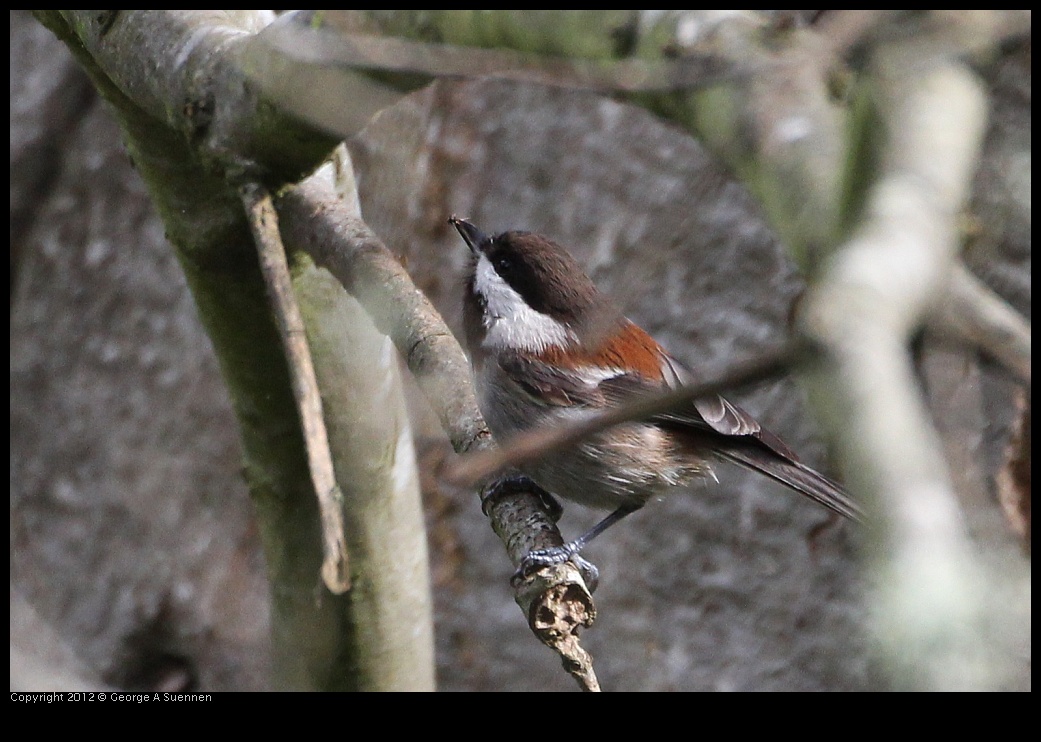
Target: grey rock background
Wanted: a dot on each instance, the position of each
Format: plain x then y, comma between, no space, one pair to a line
131,530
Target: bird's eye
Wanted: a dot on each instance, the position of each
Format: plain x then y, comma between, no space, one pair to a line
503,264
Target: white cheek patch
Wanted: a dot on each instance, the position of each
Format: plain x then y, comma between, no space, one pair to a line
508,320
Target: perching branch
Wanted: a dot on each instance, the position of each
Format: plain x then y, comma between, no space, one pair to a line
263,223
314,220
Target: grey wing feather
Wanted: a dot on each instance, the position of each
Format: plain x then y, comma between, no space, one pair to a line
550,385
760,450
717,413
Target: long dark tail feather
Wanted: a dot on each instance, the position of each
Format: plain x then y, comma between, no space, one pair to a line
798,477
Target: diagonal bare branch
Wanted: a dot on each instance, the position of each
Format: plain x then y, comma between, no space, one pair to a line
263,222
354,51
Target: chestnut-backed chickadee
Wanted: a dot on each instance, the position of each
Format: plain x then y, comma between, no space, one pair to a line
548,347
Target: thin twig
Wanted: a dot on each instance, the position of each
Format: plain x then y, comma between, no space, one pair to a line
531,446
263,223
971,310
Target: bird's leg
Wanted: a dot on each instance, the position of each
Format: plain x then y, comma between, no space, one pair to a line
538,558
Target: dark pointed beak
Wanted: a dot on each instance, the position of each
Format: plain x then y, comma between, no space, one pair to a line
471,235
